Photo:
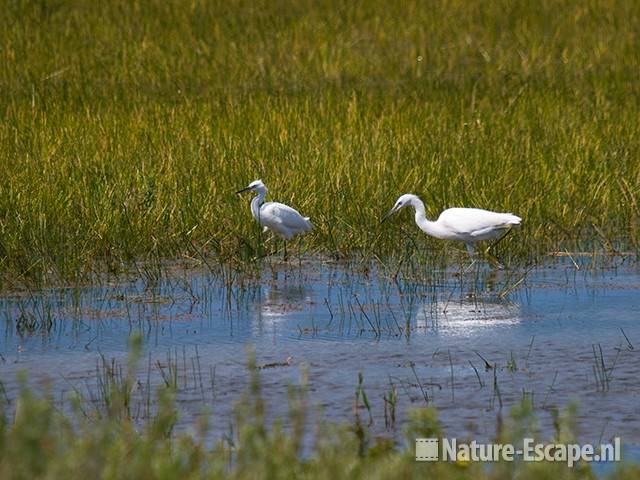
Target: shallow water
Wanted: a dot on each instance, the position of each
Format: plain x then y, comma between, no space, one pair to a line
427,338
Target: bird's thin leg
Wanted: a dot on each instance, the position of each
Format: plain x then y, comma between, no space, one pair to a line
470,249
304,249
285,250
471,252
299,251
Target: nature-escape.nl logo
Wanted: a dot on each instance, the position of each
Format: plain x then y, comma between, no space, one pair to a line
428,450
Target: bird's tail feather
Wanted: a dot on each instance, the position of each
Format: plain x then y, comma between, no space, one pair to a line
513,219
309,224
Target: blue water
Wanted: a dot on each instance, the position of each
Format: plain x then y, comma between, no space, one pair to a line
336,320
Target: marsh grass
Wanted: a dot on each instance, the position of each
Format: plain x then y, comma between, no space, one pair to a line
126,126
38,441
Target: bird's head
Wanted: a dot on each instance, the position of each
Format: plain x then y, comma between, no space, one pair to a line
256,185
403,201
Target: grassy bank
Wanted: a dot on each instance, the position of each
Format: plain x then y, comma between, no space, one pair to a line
126,126
37,441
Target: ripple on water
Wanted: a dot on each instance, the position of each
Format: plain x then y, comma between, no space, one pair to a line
417,337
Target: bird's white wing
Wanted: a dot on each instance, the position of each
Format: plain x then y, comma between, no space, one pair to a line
475,221
285,215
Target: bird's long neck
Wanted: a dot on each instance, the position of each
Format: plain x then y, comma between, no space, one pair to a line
257,202
427,226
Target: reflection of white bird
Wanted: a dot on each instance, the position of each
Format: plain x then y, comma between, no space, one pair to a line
277,217
468,225
467,318
281,301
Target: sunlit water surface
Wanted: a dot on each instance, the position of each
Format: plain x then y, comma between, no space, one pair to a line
432,340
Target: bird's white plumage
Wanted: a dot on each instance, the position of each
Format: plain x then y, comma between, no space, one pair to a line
277,217
283,220
476,223
468,225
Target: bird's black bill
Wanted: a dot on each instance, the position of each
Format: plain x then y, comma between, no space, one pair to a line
243,190
386,217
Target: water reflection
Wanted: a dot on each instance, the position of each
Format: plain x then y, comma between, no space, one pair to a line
343,322
467,317
280,300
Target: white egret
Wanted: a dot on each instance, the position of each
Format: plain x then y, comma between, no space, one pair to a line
277,217
468,225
